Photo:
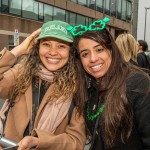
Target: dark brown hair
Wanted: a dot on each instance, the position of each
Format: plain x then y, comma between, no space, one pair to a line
117,116
143,44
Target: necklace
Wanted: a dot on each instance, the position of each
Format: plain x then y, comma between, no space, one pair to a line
92,117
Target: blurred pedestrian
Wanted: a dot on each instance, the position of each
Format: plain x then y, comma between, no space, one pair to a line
142,58
128,47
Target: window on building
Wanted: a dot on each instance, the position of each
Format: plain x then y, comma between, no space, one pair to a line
113,8
48,13
118,9
74,1
107,7
90,20
30,9
72,19
15,7
87,21
92,4
129,10
0,5
80,20
10,42
124,10
82,2
41,11
99,5
59,14
67,16
5,7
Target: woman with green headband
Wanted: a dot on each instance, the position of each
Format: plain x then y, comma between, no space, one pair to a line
117,112
45,111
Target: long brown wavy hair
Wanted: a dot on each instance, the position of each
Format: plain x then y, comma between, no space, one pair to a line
66,78
117,117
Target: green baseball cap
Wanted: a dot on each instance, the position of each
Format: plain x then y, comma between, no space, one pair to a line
56,29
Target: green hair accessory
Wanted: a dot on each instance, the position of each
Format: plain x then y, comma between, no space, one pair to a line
96,25
77,30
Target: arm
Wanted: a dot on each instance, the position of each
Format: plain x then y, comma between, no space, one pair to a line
73,137
8,59
7,73
26,46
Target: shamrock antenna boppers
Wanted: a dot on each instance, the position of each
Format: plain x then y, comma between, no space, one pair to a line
96,25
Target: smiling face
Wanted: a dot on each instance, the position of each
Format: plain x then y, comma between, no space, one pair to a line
95,58
54,53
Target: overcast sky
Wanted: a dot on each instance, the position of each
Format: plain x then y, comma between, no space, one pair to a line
141,21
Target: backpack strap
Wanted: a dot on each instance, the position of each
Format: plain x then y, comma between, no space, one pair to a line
35,101
11,104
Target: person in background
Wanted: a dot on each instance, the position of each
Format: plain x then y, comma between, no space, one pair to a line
142,58
128,47
142,46
50,67
117,111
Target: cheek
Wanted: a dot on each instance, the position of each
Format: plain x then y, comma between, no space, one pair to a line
64,53
84,63
109,59
41,52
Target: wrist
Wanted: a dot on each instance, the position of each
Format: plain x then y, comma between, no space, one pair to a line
16,51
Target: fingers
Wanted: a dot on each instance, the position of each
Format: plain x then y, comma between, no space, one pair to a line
26,45
25,143
34,34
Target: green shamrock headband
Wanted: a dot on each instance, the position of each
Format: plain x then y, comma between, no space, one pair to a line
96,25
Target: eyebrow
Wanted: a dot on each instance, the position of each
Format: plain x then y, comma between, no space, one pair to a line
93,47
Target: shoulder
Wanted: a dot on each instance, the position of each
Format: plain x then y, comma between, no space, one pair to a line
141,55
138,86
138,79
138,83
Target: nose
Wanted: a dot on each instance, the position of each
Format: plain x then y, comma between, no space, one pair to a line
53,50
93,57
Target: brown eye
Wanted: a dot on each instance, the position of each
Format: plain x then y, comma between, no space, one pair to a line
100,50
45,44
62,46
85,54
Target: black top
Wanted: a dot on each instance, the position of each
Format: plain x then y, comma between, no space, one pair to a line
143,60
140,136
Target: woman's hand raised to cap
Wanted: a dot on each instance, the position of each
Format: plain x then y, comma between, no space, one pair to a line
26,46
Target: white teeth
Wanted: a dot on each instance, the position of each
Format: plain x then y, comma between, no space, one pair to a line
97,66
53,59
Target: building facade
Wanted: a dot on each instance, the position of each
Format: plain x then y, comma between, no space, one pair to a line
143,24
22,17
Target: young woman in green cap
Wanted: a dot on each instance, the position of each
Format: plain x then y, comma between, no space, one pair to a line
41,88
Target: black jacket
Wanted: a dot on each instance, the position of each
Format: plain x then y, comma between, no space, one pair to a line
140,101
143,60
